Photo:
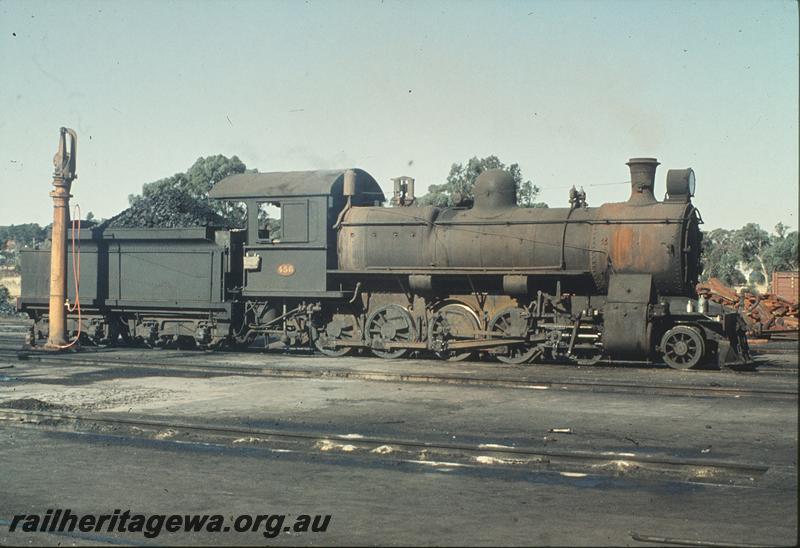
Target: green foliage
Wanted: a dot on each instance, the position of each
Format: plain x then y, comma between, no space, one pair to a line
199,178
24,234
462,177
782,253
7,307
748,255
721,258
196,182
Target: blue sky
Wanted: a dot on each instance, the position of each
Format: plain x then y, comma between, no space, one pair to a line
569,90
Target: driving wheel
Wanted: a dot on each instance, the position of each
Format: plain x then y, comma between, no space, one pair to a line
340,326
390,324
454,322
513,323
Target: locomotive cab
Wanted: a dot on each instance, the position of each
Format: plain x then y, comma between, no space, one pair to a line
295,257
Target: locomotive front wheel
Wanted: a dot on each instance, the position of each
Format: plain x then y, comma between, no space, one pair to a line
682,347
458,322
512,322
390,323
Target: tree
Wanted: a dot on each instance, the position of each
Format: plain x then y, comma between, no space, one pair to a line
462,177
753,242
7,308
15,237
782,253
24,234
197,181
748,255
721,256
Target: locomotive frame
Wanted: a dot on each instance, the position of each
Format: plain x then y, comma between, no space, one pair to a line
520,285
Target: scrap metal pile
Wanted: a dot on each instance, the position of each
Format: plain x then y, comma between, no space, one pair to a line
169,208
765,314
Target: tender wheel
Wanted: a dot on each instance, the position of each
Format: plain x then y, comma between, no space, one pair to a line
454,321
390,323
186,342
513,322
125,335
102,332
340,326
682,347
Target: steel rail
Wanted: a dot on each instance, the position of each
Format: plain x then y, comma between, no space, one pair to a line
694,542
369,443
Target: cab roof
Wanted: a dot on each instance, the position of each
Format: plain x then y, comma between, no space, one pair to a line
281,184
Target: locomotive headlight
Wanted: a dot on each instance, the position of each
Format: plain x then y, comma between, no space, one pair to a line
690,182
680,184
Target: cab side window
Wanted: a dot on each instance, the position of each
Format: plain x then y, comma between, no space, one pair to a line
269,222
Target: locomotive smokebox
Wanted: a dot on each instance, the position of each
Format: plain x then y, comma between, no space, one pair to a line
643,180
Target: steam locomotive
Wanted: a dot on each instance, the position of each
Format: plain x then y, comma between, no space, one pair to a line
344,273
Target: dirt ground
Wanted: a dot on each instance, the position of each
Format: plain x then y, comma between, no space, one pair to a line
401,462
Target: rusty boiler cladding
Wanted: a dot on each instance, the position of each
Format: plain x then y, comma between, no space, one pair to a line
640,235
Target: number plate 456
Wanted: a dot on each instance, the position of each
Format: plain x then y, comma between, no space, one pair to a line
286,269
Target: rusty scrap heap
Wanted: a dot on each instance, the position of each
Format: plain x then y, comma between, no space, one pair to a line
766,314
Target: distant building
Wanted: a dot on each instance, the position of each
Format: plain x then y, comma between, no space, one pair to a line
9,246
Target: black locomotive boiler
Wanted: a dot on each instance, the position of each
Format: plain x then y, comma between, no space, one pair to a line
345,273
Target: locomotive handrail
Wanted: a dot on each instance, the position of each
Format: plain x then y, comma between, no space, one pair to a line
568,221
562,263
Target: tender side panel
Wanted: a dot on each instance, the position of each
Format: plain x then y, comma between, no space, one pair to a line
36,276
164,269
166,273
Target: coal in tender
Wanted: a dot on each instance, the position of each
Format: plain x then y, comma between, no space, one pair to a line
169,208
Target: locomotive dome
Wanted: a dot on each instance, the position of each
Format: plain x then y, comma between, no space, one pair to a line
495,189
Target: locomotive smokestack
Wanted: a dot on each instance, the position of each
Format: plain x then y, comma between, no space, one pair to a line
643,180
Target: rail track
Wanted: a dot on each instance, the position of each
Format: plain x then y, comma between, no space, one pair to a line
440,455
13,331
12,336
528,381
